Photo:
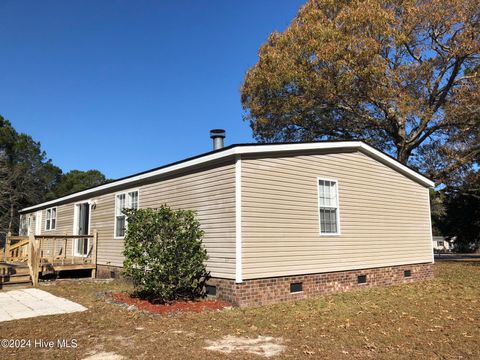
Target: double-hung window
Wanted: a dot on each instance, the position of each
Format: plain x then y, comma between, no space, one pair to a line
126,200
51,219
328,207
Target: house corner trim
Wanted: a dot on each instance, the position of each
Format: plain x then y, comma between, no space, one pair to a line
238,219
430,225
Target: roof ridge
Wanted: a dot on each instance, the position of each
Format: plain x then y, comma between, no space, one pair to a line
234,149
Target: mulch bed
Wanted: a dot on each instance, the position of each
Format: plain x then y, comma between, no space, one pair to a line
177,306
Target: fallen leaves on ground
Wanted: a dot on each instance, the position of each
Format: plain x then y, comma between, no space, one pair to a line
424,320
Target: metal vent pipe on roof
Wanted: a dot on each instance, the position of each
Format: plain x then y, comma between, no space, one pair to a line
217,135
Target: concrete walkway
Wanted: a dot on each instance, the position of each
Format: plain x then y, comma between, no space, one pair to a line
26,303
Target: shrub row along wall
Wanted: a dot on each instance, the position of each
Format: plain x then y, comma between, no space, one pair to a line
271,290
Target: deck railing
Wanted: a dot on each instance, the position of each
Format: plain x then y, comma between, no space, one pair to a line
57,252
16,248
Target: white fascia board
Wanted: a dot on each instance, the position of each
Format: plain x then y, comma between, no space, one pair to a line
339,145
397,165
246,149
153,173
255,149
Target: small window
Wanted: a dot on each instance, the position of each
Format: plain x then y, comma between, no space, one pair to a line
440,243
296,287
328,207
362,279
407,273
124,201
51,219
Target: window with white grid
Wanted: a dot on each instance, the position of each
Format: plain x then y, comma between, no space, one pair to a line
51,219
328,207
127,200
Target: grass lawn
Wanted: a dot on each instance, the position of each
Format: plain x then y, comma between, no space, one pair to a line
427,320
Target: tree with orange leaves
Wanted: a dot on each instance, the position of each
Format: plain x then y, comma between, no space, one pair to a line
402,75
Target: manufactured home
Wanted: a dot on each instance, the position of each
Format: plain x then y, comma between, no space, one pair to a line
281,221
441,244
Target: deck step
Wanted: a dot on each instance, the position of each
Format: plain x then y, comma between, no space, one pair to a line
13,286
14,276
13,269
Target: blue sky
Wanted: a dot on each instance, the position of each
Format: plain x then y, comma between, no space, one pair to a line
124,86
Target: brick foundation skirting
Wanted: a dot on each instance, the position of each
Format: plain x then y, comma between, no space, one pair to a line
271,290
108,271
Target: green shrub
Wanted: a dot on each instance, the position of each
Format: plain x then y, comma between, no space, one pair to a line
164,255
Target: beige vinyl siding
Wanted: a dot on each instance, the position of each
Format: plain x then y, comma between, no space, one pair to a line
102,220
211,192
64,223
109,250
384,216
208,190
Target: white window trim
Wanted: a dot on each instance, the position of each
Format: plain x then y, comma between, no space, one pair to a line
125,192
29,224
75,216
339,232
46,218
75,224
23,228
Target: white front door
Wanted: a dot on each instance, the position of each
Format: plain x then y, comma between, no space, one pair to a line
30,222
36,221
82,227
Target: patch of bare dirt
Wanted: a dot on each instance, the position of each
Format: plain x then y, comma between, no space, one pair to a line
104,356
266,346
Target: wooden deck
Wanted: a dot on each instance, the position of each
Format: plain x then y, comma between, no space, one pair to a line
47,254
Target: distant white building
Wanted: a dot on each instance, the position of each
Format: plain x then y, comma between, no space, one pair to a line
441,244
